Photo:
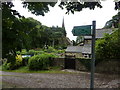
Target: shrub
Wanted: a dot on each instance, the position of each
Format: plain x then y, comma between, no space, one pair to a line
13,65
108,47
24,51
51,49
61,51
8,66
25,61
33,52
18,62
18,52
40,62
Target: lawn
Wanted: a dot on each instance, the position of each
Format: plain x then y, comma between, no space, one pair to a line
25,69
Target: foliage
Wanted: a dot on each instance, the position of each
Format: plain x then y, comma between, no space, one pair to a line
40,62
7,66
10,40
13,65
18,62
25,61
51,49
19,32
108,47
117,4
25,69
60,51
38,8
79,39
113,22
24,52
34,52
78,6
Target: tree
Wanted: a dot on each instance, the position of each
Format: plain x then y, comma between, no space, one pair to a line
78,6
10,40
14,37
79,39
38,8
113,22
108,47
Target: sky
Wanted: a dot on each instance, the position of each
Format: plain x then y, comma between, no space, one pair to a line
55,16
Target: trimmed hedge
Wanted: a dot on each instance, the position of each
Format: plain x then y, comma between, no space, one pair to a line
40,62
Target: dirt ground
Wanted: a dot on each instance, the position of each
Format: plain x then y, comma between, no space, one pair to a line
70,80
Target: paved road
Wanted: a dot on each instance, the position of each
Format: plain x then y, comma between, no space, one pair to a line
40,80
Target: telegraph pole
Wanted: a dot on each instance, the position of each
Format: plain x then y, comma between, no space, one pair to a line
93,56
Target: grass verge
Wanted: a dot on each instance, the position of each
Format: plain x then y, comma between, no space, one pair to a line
25,69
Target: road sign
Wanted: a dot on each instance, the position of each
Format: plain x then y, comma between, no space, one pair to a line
82,30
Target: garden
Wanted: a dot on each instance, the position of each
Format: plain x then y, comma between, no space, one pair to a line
34,60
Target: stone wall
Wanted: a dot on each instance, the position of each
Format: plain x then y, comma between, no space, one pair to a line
80,66
112,67
58,62
103,67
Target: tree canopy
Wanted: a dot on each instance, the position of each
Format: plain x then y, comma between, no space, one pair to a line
113,22
108,47
38,8
77,6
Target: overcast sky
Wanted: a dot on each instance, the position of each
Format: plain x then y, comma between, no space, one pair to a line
85,17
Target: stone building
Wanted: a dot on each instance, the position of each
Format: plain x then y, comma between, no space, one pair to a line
84,51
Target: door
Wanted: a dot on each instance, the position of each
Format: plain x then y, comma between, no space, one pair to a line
69,62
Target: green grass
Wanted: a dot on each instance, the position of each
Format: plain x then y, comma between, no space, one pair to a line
25,69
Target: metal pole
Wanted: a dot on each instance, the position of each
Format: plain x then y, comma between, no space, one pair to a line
0,29
93,56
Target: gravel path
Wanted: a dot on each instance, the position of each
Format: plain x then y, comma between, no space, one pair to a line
40,80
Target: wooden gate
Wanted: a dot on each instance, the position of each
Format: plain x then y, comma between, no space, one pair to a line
70,62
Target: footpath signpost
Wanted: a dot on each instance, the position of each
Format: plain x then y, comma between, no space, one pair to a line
82,30
86,31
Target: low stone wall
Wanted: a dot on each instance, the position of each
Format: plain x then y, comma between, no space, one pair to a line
112,67
80,66
58,62
103,67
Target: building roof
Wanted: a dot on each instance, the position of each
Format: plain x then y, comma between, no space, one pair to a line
87,47
79,49
100,33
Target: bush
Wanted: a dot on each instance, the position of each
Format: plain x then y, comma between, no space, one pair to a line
25,61
13,65
7,66
108,47
33,52
40,62
18,62
24,51
18,52
51,49
61,51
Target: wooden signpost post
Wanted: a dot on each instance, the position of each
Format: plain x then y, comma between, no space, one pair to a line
86,31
